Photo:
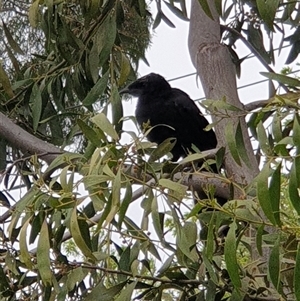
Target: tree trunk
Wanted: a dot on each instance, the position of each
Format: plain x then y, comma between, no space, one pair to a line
217,74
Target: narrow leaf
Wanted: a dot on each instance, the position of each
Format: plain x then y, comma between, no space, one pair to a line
125,69
296,132
230,139
267,10
230,256
241,145
179,188
162,149
158,226
24,254
11,41
33,13
283,79
89,132
259,234
117,109
96,91
263,194
205,7
77,236
176,11
4,80
104,124
43,256
36,105
275,192
263,139
294,184
274,265
126,293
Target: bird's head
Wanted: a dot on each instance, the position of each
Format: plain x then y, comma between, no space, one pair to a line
151,83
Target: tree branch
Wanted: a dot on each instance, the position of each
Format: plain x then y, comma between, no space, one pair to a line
289,99
26,142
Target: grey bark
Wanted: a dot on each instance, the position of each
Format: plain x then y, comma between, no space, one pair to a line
27,143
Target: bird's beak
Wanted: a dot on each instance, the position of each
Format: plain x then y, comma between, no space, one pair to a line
124,90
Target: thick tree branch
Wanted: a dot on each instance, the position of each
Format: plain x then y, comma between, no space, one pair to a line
200,181
217,74
26,142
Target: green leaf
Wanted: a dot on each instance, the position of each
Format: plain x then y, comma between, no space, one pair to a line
230,256
75,276
162,149
117,108
124,263
263,194
166,265
107,35
25,201
125,203
263,139
116,189
297,275
210,243
126,293
294,184
176,11
167,20
205,7
157,20
77,236
186,240
24,254
219,105
4,285
96,91
218,5
259,240
156,219
275,193
210,268
283,79
241,145
4,80
211,291
63,159
33,13
104,124
107,294
36,105
125,69
276,127
230,139
296,132
11,41
192,158
89,133
267,10
43,255
177,187
274,265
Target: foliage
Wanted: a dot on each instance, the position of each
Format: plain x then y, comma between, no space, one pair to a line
74,232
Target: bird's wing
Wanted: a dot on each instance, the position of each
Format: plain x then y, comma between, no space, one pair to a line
191,123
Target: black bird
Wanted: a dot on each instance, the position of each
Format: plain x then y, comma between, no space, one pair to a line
172,113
